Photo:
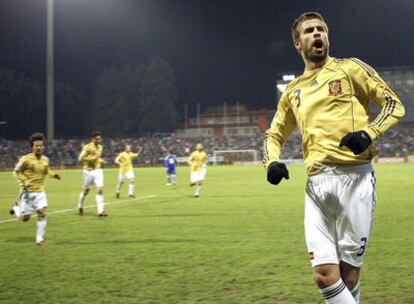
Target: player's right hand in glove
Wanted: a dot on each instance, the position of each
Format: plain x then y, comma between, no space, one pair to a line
276,171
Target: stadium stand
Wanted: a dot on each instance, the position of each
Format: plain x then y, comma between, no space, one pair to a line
396,143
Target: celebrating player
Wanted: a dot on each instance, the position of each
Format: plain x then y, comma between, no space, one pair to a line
31,171
90,157
170,162
329,103
198,167
126,171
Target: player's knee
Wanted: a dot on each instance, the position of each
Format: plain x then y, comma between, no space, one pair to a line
26,218
99,191
131,181
85,191
325,276
323,280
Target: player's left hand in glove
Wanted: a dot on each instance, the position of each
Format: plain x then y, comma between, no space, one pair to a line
276,171
358,142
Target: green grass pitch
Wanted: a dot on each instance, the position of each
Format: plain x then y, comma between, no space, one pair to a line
242,241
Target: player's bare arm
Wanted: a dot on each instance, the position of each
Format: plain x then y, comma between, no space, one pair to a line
118,160
54,175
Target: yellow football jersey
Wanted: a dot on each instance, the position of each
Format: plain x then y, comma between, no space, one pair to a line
34,169
197,160
328,103
90,156
125,159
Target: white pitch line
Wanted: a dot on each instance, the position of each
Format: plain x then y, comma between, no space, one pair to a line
9,220
85,207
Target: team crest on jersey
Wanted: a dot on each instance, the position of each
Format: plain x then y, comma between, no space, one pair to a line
335,88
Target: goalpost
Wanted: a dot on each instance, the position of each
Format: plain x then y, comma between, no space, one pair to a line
234,156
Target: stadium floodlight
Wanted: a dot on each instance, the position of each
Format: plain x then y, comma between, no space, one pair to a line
49,72
288,77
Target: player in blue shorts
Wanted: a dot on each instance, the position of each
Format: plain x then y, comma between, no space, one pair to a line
170,162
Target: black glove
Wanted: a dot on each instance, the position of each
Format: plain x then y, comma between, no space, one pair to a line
276,171
358,142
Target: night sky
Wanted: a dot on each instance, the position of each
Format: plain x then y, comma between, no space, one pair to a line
221,50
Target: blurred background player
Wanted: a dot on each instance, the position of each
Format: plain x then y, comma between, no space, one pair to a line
198,167
31,171
126,170
90,157
170,162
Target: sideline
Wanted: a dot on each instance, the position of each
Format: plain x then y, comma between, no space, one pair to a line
85,207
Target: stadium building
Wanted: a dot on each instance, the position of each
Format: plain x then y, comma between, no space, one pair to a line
233,120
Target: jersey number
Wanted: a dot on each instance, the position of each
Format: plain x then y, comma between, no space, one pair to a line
363,246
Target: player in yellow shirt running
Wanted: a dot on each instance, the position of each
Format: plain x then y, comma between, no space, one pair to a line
330,105
198,168
31,171
91,159
126,170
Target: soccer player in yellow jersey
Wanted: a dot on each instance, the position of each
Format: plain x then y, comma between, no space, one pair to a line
329,104
91,159
198,167
31,171
126,171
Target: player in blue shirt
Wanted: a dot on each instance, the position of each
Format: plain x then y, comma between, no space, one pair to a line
170,162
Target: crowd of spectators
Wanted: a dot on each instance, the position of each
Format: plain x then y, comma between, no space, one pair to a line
396,143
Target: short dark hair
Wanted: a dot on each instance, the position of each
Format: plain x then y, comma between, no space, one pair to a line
95,133
303,17
35,137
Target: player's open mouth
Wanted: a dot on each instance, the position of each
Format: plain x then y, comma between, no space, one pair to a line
318,45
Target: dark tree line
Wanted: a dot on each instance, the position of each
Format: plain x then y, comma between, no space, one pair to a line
22,104
124,102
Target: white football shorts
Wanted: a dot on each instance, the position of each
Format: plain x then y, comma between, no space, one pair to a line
93,177
123,176
339,209
197,176
29,201
204,171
